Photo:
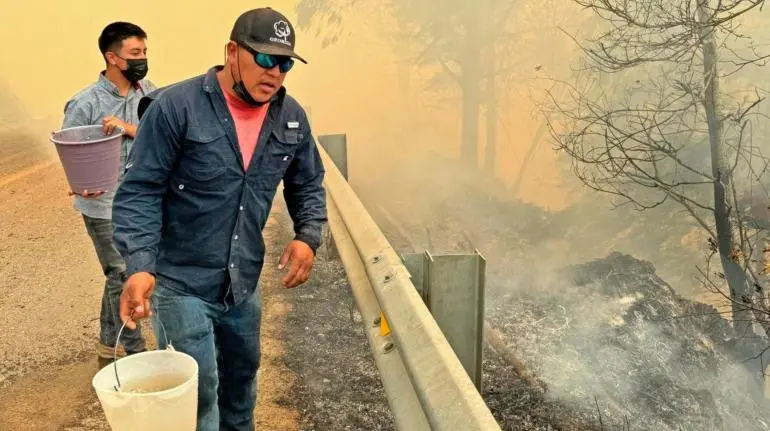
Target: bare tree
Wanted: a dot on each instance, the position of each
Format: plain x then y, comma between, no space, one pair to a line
475,46
648,122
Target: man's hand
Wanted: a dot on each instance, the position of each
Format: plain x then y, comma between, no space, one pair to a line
112,122
299,257
88,195
135,299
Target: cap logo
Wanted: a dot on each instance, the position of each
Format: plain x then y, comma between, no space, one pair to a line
282,31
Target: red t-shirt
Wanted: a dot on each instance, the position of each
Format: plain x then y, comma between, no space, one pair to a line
248,123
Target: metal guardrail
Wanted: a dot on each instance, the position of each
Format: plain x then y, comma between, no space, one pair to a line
425,383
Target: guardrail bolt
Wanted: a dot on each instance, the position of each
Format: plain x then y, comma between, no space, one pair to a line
376,259
388,278
388,347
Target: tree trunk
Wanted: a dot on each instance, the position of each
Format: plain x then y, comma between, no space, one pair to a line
528,157
470,86
492,113
720,168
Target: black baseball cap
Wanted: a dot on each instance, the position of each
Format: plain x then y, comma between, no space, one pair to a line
267,31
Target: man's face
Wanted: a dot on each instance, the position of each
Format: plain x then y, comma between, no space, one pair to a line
261,83
130,49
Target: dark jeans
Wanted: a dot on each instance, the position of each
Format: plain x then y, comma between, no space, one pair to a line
114,268
224,340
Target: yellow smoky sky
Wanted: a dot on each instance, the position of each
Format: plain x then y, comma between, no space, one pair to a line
354,86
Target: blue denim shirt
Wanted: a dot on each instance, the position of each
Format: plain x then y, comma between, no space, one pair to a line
187,211
90,106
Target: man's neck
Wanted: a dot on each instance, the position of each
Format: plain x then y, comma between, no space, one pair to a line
226,81
120,81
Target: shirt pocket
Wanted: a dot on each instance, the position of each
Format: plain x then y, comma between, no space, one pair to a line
279,154
203,164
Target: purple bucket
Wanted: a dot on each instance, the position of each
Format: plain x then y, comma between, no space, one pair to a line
91,159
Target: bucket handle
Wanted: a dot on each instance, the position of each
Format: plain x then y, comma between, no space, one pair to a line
117,343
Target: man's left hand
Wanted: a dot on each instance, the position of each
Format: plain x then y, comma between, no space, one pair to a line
299,257
111,123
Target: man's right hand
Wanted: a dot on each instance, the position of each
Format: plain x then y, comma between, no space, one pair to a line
135,299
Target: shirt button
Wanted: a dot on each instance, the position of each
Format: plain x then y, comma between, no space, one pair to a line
235,237
240,208
232,265
225,120
181,186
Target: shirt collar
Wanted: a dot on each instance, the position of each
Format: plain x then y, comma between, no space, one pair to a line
110,86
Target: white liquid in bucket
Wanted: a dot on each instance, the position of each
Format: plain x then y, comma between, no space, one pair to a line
153,384
158,391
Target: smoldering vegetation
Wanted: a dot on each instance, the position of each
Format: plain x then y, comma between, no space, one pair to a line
612,343
615,261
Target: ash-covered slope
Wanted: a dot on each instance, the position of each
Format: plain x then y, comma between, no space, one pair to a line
612,332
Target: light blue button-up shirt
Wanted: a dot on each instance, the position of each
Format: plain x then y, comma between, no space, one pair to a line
90,106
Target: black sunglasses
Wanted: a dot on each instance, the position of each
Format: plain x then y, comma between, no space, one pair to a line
269,61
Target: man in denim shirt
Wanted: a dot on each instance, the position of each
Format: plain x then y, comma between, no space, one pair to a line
112,101
208,159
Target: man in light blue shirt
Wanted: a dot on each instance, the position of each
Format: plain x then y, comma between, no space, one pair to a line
112,101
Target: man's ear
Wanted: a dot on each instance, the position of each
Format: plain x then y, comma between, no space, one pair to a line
230,49
111,58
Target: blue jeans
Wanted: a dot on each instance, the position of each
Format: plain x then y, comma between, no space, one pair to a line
114,269
224,340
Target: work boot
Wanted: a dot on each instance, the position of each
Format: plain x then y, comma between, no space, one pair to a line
105,354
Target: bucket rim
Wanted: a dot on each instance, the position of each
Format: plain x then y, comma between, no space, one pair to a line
146,394
118,132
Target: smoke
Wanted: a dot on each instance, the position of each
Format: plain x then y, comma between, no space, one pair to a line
47,61
525,212
610,332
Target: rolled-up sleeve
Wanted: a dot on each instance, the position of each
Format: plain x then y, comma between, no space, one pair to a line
137,213
304,193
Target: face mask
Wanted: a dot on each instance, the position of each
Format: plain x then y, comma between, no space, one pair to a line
136,71
239,88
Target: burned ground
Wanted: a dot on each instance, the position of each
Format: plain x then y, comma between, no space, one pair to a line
614,334
616,346
337,386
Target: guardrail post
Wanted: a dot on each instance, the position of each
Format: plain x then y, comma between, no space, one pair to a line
337,148
452,287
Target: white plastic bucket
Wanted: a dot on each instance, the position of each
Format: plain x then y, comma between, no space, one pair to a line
158,390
